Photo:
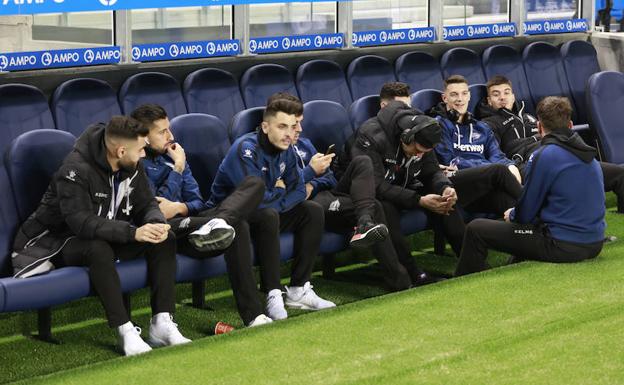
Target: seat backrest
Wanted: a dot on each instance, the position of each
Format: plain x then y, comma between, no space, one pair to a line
152,87
363,109
78,103
8,222
465,62
213,91
23,108
323,80
477,92
245,122
329,124
420,70
261,81
366,75
425,99
544,70
31,161
605,98
580,61
205,141
505,60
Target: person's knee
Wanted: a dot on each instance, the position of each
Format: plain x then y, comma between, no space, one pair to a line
476,225
255,183
100,252
314,211
363,163
268,217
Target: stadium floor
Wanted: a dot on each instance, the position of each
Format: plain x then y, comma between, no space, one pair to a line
530,323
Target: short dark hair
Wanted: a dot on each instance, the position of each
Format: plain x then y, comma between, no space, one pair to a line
393,89
124,127
554,113
497,80
454,79
147,114
284,96
287,106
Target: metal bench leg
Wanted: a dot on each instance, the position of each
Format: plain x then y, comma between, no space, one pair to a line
199,294
44,326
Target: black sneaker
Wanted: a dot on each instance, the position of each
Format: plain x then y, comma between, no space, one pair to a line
368,234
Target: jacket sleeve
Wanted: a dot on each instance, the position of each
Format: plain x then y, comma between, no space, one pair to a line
494,153
147,210
244,162
444,150
295,188
432,176
326,181
172,186
191,196
403,197
538,182
77,209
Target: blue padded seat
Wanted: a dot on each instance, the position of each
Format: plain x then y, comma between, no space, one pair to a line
465,62
78,103
505,60
323,80
413,221
605,98
363,109
22,108
544,70
419,70
261,81
152,87
425,99
245,122
213,91
477,92
366,74
8,223
580,61
192,269
330,124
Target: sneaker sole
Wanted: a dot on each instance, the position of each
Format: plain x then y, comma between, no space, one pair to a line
372,236
217,239
296,305
155,342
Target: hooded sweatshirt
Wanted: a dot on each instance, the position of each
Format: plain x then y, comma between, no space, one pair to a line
398,179
254,155
515,129
86,199
467,144
564,189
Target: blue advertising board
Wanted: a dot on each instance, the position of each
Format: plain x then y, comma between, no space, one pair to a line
20,61
296,43
185,50
393,36
541,27
478,31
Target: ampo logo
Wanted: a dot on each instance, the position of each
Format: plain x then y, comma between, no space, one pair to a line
211,48
444,33
285,43
253,46
4,62
546,26
108,3
46,59
353,38
495,29
318,41
89,56
136,53
383,36
174,51
411,34
569,25
470,30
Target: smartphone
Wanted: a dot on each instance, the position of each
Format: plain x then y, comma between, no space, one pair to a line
330,149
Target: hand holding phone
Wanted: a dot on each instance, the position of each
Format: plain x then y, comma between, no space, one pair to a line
330,149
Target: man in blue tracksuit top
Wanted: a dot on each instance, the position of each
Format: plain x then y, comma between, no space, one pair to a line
486,181
204,232
268,154
557,219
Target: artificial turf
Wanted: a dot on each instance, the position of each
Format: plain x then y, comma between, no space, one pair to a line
529,323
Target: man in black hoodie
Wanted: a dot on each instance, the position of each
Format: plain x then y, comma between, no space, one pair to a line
516,131
399,141
99,208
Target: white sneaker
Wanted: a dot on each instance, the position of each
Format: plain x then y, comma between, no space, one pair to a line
214,235
275,305
303,297
260,320
164,332
129,340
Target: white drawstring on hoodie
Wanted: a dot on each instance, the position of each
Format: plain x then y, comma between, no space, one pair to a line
117,197
459,135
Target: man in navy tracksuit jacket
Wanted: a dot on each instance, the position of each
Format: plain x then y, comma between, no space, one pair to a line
268,154
556,219
486,181
203,232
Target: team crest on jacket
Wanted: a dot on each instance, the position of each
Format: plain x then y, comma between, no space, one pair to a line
247,153
282,168
71,175
302,154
